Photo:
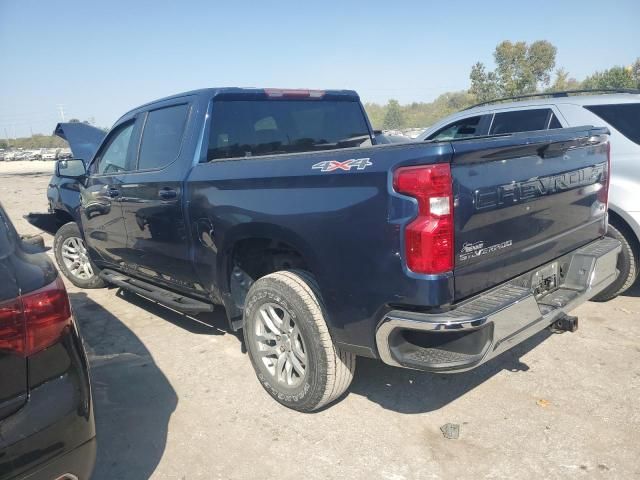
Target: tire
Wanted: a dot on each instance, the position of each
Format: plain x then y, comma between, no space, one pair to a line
69,240
304,342
627,265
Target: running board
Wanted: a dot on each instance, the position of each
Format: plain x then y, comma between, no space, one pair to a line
157,294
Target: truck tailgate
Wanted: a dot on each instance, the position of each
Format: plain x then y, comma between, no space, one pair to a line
523,200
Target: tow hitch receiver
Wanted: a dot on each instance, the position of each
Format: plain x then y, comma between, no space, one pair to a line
567,323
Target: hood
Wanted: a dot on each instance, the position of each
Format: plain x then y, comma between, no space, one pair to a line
83,139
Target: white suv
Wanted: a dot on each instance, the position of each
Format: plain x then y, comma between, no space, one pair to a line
619,110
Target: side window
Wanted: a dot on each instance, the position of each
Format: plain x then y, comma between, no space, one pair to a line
554,122
467,127
162,136
520,121
623,117
114,154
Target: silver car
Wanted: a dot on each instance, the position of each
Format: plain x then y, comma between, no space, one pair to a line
618,110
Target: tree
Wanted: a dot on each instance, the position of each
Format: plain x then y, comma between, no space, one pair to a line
563,82
635,70
615,77
393,119
74,120
520,69
484,85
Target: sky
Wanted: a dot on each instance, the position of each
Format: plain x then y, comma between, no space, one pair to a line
98,59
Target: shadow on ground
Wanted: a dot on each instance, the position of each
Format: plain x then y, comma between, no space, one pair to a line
133,399
411,391
213,323
400,390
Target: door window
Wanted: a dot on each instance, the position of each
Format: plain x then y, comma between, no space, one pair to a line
624,117
467,127
520,121
114,154
162,136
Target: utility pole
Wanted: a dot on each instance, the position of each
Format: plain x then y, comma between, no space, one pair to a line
61,110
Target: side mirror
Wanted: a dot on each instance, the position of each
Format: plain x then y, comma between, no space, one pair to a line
72,168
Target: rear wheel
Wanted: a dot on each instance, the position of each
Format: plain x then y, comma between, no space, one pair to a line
627,264
289,345
72,258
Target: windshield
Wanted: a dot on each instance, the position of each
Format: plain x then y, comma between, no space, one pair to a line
242,128
624,117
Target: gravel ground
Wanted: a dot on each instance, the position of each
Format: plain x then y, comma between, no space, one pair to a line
176,397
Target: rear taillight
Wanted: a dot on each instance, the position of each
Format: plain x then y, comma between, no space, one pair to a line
603,193
35,320
428,239
11,326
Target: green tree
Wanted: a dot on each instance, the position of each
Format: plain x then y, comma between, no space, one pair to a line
615,77
520,69
484,85
635,70
563,82
375,113
393,118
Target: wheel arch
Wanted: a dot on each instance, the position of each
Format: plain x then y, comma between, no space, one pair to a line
623,221
280,246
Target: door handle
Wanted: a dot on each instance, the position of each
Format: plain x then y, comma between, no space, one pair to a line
113,192
167,193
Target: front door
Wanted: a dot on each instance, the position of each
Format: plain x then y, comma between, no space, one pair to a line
101,212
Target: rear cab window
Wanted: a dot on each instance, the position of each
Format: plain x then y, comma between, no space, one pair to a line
624,117
249,128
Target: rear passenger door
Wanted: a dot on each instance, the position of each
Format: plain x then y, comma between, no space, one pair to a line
151,197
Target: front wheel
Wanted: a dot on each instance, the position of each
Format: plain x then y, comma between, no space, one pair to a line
73,259
289,345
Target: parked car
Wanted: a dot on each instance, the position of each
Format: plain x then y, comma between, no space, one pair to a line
50,154
618,110
47,428
323,245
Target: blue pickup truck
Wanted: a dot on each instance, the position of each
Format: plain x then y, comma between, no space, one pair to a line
324,245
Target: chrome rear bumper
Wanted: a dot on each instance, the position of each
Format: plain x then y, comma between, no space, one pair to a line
484,326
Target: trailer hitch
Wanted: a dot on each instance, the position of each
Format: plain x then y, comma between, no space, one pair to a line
566,323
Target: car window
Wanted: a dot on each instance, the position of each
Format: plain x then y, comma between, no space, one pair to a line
113,155
241,128
467,127
624,117
554,122
520,121
162,136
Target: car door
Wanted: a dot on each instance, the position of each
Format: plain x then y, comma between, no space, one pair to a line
157,240
100,210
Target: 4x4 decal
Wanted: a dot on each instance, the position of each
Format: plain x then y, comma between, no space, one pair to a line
332,165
